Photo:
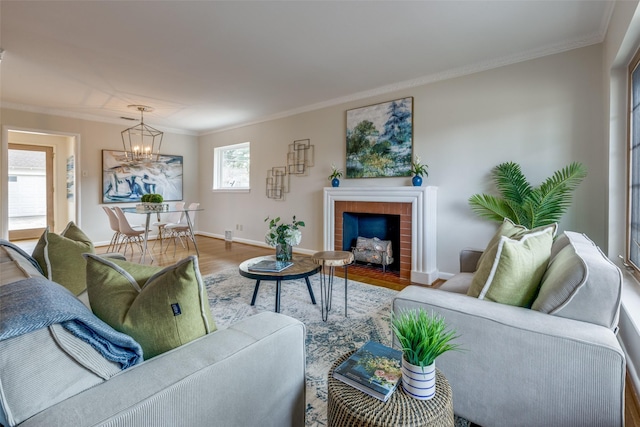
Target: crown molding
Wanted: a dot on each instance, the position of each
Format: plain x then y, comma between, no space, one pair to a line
594,38
89,117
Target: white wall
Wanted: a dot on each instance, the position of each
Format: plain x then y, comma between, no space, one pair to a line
93,137
543,114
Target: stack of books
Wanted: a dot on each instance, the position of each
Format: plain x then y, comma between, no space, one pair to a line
374,369
270,266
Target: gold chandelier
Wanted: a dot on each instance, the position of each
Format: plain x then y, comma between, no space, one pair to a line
142,142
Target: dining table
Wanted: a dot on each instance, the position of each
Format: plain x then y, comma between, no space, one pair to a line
167,209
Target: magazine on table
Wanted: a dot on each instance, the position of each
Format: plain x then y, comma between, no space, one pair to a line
374,369
270,266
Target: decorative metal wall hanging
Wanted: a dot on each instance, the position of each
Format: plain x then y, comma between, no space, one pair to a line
299,160
277,182
300,157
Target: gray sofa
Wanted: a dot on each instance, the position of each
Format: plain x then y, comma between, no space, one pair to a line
250,374
557,363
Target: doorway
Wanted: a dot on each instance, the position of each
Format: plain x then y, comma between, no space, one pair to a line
62,187
30,190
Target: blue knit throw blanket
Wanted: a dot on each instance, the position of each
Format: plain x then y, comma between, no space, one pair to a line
36,303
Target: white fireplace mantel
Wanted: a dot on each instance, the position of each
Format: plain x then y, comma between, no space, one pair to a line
423,224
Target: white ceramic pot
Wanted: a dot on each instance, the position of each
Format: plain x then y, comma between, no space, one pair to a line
419,382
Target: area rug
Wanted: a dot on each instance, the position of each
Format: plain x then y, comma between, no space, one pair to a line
368,319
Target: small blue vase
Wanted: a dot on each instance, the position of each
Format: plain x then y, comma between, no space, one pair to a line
416,180
335,182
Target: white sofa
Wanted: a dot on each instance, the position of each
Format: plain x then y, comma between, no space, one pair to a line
556,364
251,374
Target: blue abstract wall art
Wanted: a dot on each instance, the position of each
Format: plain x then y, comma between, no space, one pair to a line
124,180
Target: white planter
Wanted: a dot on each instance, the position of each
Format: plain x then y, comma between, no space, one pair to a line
153,207
419,382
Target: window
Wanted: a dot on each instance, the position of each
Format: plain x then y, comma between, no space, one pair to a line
633,229
231,167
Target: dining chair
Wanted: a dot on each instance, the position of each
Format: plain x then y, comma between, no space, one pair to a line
115,226
170,218
181,229
128,233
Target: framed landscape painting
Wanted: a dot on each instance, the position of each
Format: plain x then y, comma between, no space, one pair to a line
124,180
380,140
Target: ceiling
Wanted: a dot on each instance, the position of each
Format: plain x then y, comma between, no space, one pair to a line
212,65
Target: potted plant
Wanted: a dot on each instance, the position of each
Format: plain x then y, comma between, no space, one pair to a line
418,170
524,204
152,198
423,337
283,237
335,176
152,201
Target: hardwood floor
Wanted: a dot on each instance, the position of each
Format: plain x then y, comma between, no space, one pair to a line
217,255
632,407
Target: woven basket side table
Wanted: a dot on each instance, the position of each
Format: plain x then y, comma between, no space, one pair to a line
348,406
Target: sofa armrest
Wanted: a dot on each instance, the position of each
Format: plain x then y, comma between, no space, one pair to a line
469,259
251,374
523,367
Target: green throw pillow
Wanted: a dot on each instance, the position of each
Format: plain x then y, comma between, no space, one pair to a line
60,257
161,308
512,230
512,269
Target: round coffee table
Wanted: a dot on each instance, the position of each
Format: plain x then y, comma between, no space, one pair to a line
302,268
348,406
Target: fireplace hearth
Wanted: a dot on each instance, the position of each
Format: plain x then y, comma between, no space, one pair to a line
416,209
370,225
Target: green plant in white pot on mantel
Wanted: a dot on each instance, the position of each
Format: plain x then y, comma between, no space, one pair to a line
423,337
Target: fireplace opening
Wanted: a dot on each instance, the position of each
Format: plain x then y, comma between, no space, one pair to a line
382,226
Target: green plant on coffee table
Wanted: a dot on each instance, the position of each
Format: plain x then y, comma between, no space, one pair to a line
423,336
524,204
151,198
283,234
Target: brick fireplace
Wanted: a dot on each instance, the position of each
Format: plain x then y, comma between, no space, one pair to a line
417,209
386,208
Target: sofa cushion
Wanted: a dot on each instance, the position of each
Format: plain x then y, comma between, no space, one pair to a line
458,284
52,347
511,271
14,266
44,367
581,283
161,308
60,257
512,230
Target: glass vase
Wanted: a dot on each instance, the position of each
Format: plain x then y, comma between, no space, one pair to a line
284,252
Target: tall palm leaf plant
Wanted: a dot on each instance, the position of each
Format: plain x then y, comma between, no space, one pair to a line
522,203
